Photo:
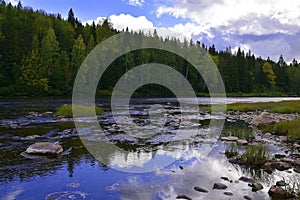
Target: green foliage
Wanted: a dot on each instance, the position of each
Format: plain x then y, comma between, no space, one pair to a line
60,46
66,110
255,155
291,106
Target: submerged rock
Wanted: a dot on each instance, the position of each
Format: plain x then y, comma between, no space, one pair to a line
219,186
67,195
44,148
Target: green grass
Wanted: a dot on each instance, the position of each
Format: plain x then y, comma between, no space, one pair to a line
66,110
291,106
288,128
255,155
242,133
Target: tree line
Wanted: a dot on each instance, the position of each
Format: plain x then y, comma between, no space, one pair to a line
40,54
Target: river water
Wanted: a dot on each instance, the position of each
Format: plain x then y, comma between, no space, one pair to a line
76,174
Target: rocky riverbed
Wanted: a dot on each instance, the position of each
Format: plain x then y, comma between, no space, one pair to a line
75,174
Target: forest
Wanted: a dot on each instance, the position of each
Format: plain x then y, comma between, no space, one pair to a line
40,54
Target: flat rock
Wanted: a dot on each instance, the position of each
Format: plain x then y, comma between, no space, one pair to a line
183,196
44,148
219,186
242,142
47,114
264,118
230,138
281,166
200,189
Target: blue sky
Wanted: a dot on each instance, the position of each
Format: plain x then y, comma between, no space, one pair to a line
267,28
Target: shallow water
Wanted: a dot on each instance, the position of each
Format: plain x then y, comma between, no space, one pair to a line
76,174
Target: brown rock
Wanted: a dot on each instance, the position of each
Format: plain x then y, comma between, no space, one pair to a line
276,191
256,187
264,118
200,189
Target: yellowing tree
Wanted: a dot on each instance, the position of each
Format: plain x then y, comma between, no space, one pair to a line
270,75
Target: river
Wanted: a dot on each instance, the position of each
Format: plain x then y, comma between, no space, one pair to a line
76,174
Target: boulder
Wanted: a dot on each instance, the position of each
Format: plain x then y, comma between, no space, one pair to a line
44,148
219,186
277,191
256,187
263,119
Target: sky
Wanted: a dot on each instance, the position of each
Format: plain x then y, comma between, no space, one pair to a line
267,28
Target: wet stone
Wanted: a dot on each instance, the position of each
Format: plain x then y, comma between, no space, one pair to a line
200,189
219,186
247,180
44,148
183,196
228,193
247,197
256,187
280,183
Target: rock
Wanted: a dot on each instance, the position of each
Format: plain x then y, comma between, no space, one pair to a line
247,197
263,119
280,183
283,138
268,167
200,189
219,186
181,167
228,193
183,196
225,178
281,166
44,148
256,187
267,135
276,191
247,180
229,139
280,156
242,142
47,114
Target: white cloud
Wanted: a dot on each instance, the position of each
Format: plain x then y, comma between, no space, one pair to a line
227,14
123,21
13,2
136,2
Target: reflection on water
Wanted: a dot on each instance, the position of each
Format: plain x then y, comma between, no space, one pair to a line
77,175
